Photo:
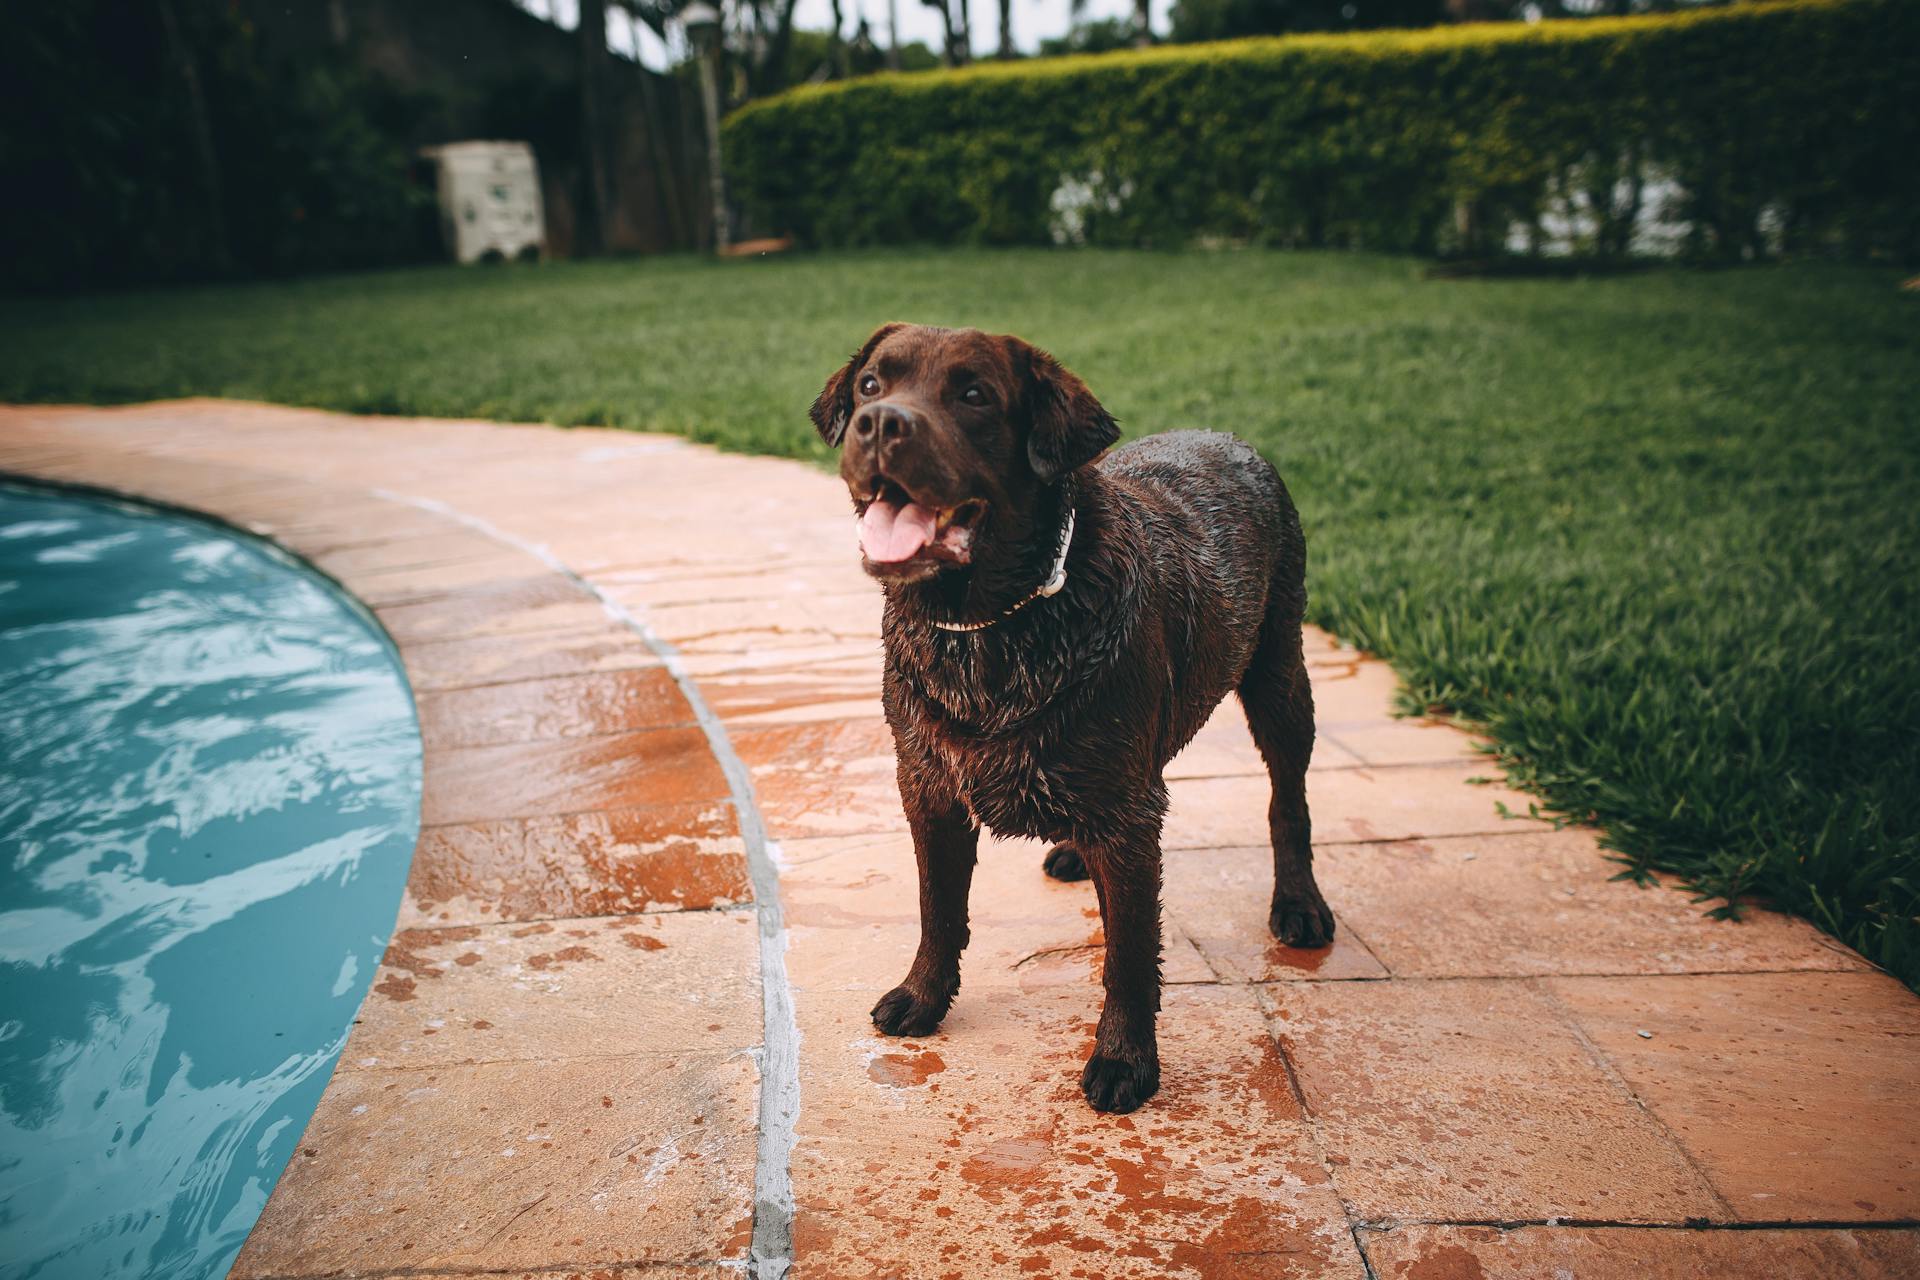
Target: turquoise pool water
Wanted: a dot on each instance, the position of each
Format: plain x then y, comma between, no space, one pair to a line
209,794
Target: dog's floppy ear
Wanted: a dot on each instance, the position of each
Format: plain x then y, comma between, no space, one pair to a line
1069,428
834,405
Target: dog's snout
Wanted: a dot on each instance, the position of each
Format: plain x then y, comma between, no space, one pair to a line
884,423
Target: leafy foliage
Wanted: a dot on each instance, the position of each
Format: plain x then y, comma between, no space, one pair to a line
1786,126
107,178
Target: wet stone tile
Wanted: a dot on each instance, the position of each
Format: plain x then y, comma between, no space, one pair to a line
1794,1092
454,545
561,707
833,777
583,775
569,988
852,911
1411,741
1352,689
1220,897
616,862
1347,805
844,690
1224,748
1473,1100
543,602
1423,1252
1544,902
737,627
972,1152
485,660
584,1163
388,588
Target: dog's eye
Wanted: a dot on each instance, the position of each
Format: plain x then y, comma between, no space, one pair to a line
974,396
869,385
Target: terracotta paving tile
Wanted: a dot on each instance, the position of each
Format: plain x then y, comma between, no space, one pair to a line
1409,741
583,1163
737,627
603,645
1224,748
804,651
416,584
560,707
831,777
615,862
971,1152
1348,805
1795,1092
688,981
718,1270
578,775
315,529
1544,902
454,545
851,906
1354,689
543,603
1423,1252
1474,1101
703,583
1220,897
844,690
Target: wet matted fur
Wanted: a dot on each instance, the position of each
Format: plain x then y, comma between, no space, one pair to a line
1054,716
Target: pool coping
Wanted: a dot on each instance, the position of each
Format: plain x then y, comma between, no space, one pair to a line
1344,1207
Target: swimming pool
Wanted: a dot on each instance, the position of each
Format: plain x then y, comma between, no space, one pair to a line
209,796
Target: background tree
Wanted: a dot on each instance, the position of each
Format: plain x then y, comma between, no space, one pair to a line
593,232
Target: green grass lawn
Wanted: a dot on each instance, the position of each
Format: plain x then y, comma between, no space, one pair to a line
1659,533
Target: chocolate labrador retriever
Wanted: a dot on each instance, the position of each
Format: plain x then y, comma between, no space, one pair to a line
1057,627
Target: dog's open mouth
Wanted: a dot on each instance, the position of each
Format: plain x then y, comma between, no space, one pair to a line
894,528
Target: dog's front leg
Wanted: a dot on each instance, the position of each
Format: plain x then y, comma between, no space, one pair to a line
945,843
1124,1070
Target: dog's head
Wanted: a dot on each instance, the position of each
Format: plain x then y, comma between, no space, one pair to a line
948,438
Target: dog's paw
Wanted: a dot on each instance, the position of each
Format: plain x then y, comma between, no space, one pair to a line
901,1013
1118,1086
1304,921
1065,863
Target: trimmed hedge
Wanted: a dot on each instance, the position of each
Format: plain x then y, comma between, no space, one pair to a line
1776,126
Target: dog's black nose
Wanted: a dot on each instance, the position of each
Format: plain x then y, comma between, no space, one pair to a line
883,423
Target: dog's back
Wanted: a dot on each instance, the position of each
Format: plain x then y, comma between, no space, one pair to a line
1224,551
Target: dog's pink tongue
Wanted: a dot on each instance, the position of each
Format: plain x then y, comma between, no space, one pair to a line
889,534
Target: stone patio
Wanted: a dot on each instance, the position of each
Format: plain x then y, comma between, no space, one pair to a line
663,875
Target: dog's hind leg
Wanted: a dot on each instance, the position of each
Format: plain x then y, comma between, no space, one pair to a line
1279,706
1124,1070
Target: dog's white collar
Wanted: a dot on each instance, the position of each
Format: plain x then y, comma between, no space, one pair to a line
1051,587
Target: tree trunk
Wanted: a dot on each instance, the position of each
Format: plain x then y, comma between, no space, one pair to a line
950,47
591,227
1006,28
768,74
836,46
219,253
893,35
1142,23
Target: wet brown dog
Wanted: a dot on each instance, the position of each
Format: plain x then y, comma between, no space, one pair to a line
1048,708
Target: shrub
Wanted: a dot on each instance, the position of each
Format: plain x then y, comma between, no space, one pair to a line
1769,127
